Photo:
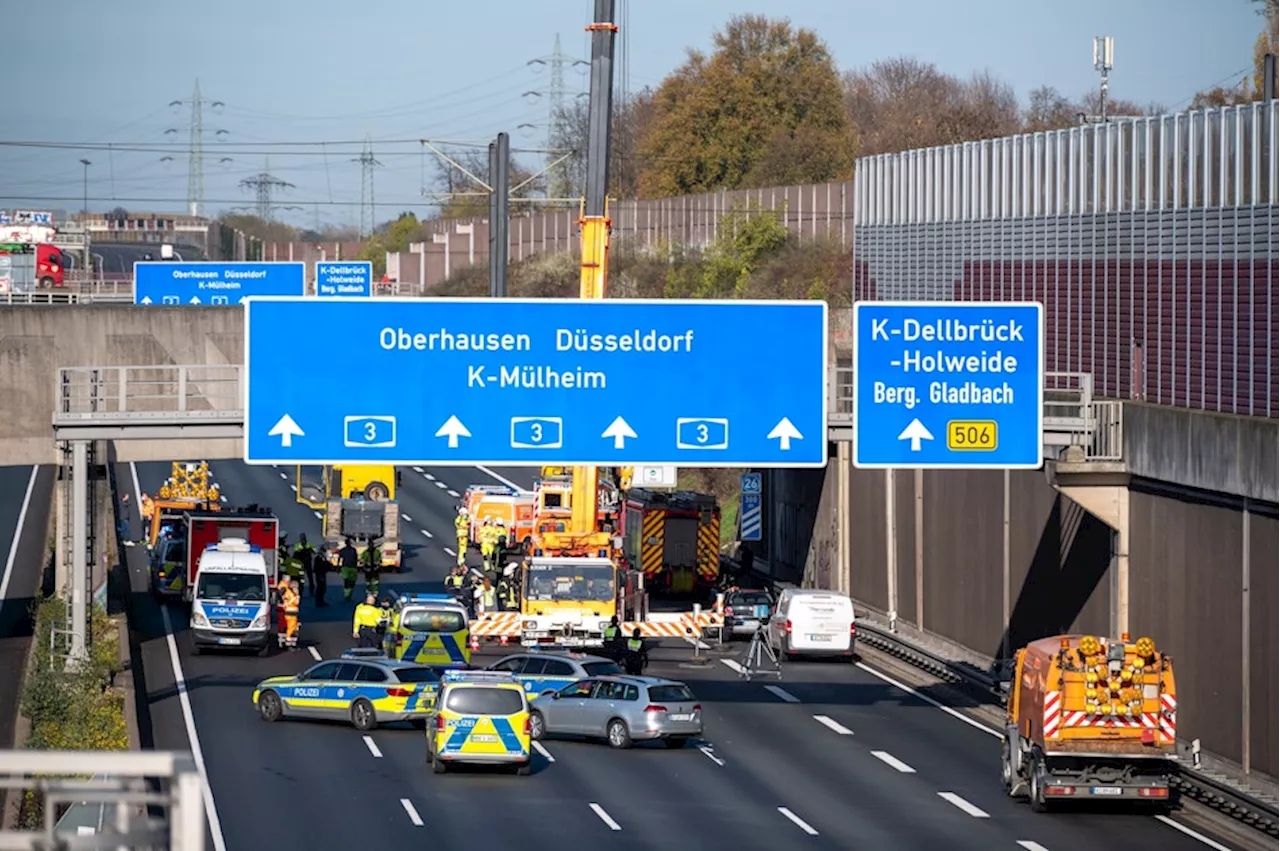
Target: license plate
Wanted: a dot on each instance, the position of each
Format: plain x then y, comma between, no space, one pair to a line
680,717
484,739
819,638
1107,790
228,641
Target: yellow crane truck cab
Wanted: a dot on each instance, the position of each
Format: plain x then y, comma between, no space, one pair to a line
1090,718
348,481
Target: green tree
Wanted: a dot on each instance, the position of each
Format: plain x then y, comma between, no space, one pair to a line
569,130
765,108
746,238
256,227
395,237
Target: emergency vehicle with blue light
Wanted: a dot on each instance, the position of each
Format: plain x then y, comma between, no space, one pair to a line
479,717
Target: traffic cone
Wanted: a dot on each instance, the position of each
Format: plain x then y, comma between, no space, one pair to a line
475,643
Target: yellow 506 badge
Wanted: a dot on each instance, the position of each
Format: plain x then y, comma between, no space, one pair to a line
972,436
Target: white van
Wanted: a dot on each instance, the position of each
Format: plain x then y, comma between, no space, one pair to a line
812,622
230,606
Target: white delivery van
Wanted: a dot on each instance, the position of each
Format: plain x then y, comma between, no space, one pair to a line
811,622
230,606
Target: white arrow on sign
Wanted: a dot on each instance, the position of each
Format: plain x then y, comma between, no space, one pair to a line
619,430
146,299
915,432
243,299
785,432
286,429
453,429
194,300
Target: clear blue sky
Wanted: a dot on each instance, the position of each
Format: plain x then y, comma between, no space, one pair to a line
331,70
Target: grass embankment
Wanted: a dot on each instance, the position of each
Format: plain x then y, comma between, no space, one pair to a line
77,709
724,486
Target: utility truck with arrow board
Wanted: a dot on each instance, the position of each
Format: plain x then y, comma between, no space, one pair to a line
356,501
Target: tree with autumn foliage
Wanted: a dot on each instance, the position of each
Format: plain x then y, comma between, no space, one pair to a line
763,109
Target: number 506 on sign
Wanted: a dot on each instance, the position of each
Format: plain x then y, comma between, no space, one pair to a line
971,435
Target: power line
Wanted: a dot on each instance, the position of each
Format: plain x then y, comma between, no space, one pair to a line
367,164
265,184
195,147
557,61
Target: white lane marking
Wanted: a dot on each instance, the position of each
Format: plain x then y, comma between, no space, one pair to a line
315,654
960,803
454,494
449,551
293,488
373,747
1031,846
782,694
428,534
283,476
133,474
275,466
224,499
17,533
1200,837
797,821
929,700
605,817
833,724
440,484
696,642
407,518
893,762
417,469
499,478
733,666
412,811
197,753
318,515
430,477
546,754
710,754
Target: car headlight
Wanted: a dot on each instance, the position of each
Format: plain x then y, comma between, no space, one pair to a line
260,622
199,619
530,624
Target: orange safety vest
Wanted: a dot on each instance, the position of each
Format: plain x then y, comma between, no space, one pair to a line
290,602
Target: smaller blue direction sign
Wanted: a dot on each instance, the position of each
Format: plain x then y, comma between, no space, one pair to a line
948,385
344,277
214,283
752,522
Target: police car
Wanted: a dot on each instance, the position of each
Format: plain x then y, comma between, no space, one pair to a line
362,689
429,629
542,671
479,717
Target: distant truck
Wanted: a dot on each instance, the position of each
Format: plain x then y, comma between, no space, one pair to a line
1091,718
204,529
674,539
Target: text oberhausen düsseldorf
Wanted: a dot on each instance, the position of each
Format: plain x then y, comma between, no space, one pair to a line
923,360
535,376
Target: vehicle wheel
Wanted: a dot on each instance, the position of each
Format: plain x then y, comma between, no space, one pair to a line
418,723
438,766
675,743
537,726
376,491
617,734
363,718
1038,804
1006,767
269,706
523,769
46,283
264,651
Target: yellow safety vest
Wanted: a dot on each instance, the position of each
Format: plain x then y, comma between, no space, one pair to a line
634,645
367,615
453,580
461,525
488,598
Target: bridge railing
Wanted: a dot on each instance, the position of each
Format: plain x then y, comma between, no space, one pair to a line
149,393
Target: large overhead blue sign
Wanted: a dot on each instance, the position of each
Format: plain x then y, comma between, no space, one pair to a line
344,277
214,283
950,384
539,381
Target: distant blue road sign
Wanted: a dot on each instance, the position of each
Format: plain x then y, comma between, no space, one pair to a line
349,278
752,507
948,385
539,381
212,283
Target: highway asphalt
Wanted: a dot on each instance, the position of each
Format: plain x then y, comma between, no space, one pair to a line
834,756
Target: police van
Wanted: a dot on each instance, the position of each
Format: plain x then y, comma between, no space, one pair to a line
230,603
429,629
479,717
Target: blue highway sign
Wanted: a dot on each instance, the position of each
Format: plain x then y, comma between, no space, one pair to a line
214,283
948,385
539,381
346,277
752,511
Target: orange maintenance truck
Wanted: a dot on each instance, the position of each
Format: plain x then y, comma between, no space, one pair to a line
1091,718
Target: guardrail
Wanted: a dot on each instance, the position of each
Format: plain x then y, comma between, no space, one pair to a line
1216,792
123,779
158,402
64,297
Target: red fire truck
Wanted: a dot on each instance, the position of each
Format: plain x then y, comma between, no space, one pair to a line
256,525
674,538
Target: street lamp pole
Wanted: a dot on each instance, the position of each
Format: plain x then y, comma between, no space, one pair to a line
85,211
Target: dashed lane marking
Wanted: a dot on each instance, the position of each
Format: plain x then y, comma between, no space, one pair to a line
407,518
449,552
893,762
454,494
833,724
412,811
440,484
961,804
733,666
318,515
373,747
1031,846
430,477
417,469
315,654
797,821
605,817
711,755
293,488
428,534
782,694
546,754
285,477
500,478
